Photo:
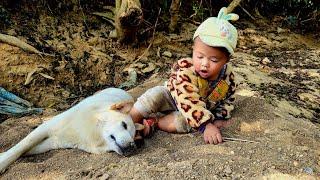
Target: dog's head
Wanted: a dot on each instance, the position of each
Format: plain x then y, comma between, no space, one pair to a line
118,128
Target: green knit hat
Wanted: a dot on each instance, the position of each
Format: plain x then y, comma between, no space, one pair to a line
218,32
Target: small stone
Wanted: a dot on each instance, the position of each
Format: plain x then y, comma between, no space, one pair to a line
228,170
167,54
301,155
308,170
104,177
232,152
280,30
292,64
295,163
265,61
254,64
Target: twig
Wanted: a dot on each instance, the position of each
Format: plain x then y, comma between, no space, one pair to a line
236,139
17,42
243,9
155,25
303,21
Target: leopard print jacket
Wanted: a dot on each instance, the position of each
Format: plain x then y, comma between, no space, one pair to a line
197,100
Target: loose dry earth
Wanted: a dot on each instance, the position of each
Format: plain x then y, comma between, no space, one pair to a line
277,106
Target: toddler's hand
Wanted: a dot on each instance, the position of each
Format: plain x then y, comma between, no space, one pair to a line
212,134
223,123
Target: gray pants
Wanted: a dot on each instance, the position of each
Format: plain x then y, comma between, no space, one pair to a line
159,100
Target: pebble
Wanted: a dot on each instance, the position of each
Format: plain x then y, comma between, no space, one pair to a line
104,177
265,61
292,63
228,170
167,54
295,163
308,170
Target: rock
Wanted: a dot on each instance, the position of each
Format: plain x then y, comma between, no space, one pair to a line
228,170
254,64
308,170
265,61
307,97
167,54
104,177
149,68
313,73
280,30
292,64
246,92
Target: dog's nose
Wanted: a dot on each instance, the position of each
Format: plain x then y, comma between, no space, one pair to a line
130,149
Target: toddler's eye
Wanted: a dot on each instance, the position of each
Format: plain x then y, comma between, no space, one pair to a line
214,60
199,57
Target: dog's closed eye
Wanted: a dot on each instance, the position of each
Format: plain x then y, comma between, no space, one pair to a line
124,125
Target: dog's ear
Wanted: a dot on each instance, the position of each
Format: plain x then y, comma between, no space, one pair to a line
123,107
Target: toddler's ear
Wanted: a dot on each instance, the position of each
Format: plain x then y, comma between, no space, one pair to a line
123,107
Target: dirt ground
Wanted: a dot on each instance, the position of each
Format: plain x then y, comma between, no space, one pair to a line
277,101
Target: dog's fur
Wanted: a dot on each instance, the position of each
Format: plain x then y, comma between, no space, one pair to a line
98,124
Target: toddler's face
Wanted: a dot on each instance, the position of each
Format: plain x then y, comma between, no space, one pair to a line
208,61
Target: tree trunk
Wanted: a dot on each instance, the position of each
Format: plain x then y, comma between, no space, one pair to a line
174,12
128,17
233,5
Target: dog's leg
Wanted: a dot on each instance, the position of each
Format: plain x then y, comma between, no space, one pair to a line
34,138
44,146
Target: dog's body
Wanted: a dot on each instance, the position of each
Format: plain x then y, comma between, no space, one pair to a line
98,124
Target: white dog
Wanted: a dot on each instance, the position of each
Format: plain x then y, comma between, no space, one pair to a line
98,124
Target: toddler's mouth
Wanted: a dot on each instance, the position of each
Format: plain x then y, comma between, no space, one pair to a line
203,73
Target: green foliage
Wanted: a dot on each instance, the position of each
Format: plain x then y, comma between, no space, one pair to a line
199,11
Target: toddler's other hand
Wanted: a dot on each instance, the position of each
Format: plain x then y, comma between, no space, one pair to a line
212,134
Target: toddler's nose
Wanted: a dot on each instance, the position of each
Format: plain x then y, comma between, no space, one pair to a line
204,64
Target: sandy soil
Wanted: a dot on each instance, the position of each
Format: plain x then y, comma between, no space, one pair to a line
277,105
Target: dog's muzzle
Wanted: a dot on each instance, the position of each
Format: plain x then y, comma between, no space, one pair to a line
128,150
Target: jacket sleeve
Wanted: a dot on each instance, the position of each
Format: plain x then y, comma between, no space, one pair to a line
183,88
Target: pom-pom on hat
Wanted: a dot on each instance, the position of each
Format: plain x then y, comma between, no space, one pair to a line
218,32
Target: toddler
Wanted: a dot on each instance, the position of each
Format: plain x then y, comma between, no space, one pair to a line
200,91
